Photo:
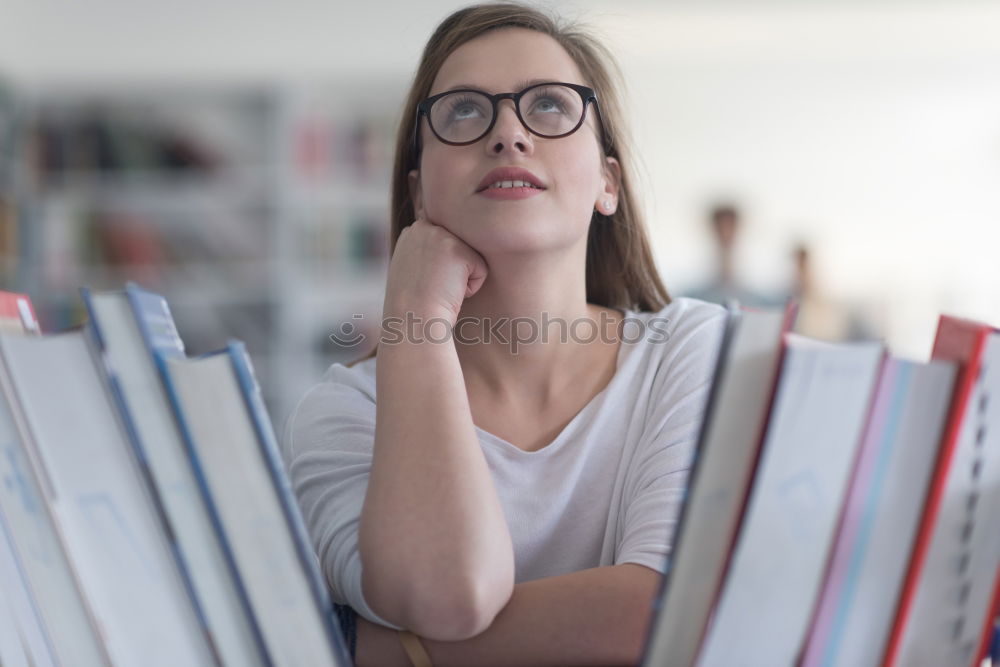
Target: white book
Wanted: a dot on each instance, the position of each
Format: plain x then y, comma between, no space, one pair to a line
723,468
111,529
813,433
55,620
119,320
949,606
21,634
232,444
881,514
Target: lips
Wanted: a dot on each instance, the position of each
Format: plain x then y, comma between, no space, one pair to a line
501,174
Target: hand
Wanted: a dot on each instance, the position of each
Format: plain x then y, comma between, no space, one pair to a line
432,272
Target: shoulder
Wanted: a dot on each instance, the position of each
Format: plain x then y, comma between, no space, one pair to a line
682,326
344,398
679,347
355,382
689,311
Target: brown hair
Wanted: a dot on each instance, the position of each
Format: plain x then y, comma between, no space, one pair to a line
620,272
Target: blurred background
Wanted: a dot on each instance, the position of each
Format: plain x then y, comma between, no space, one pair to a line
235,157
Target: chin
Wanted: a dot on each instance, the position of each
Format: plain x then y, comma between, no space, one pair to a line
519,237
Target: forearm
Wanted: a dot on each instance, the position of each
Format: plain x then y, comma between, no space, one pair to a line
598,616
435,547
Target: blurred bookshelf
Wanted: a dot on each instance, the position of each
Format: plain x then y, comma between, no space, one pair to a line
259,211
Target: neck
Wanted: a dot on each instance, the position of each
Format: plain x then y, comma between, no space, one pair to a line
529,330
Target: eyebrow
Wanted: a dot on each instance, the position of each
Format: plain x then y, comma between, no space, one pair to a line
520,85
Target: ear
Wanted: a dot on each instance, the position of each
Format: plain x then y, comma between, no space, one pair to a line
607,200
413,178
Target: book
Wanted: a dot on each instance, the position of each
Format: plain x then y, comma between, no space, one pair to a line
881,515
950,595
995,645
17,314
22,636
24,639
52,621
231,442
129,326
723,468
112,532
776,568
13,651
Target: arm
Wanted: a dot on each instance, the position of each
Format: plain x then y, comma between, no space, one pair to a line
436,551
598,616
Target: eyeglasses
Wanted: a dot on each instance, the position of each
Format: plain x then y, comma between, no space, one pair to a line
464,116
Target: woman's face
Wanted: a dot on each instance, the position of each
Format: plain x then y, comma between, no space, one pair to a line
445,189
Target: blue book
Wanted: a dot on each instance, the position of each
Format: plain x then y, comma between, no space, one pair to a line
995,650
231,443
127,327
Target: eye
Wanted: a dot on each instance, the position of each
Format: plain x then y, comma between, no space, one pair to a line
464,108
548,105
548,101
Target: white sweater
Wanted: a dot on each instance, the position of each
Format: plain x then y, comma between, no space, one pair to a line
606,491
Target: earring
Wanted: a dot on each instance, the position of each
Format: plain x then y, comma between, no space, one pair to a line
607,205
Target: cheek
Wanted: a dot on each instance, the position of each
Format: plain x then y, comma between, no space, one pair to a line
436,183
582,180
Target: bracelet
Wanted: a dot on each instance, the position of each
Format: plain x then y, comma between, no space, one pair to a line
414,649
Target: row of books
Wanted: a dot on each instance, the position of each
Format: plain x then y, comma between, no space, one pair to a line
360,150
145,516
99,142
843,508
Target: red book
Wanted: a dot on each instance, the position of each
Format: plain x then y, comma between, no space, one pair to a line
950,595
17,314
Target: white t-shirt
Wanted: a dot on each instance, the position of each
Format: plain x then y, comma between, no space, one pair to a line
606,491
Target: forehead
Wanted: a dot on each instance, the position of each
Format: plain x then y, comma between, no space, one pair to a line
500,60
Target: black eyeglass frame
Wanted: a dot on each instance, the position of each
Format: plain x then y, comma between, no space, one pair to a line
587,95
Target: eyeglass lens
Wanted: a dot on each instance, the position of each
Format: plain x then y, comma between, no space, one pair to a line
548,110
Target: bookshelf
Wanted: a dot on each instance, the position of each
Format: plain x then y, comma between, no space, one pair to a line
8,204
260,211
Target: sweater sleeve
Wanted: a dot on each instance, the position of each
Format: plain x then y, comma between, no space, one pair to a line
327,449
657,477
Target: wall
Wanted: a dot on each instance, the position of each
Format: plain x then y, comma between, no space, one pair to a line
871,130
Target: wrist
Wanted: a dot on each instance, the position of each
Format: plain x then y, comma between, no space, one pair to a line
379,646
413,310
416,326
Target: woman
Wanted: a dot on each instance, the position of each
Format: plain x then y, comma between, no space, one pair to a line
508,494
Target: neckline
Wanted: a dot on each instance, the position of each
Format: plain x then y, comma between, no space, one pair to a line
557,442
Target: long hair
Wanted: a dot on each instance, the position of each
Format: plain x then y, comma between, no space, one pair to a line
620,271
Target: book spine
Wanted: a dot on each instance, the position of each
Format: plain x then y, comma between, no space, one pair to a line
269,452
98,345
932,505
791,311
162,360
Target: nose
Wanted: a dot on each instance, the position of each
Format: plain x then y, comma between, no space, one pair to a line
508,134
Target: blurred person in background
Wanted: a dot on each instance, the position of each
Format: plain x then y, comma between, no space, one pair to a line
726,285
480,503
819,314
